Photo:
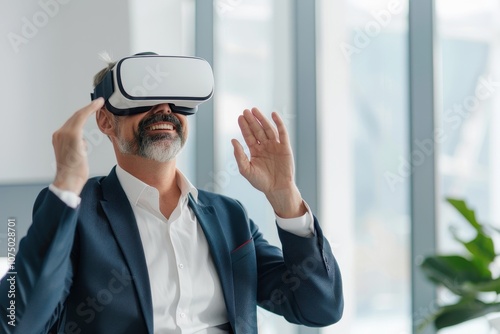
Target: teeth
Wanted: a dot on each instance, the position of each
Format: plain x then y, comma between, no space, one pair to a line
162,127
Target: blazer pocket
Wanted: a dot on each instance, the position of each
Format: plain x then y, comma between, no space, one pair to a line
243,250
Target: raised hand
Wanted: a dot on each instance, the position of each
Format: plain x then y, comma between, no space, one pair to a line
70,150
270,167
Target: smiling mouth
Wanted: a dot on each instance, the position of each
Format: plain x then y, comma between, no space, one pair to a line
161,126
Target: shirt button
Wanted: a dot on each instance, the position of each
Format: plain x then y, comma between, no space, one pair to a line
183,315
182,267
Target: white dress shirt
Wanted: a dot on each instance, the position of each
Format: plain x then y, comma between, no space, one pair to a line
186,292
185,288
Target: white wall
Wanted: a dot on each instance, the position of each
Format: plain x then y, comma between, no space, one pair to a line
48,75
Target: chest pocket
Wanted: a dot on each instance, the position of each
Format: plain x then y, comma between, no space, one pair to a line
243,250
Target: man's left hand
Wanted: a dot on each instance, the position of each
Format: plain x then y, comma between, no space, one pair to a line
270,167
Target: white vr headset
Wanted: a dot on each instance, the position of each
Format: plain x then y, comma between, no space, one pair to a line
137,83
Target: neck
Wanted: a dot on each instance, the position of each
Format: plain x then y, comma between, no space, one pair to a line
160,175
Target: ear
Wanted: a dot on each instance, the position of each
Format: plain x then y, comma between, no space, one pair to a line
105,121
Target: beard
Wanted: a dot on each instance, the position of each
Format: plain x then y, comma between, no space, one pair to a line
161,147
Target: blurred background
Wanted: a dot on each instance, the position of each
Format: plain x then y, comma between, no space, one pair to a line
338,72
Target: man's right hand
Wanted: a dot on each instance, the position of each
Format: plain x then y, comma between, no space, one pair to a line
71,151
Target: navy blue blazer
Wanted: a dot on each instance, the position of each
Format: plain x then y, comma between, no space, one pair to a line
84,271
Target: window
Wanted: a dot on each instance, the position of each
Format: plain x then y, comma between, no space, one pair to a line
252,69
363,112
469,69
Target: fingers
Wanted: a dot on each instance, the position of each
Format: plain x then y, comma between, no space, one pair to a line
73,127
261,125
70,150
80,117
241,157
256,128
247,133
282,131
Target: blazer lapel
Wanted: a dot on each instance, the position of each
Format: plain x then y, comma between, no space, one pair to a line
122,220
207,218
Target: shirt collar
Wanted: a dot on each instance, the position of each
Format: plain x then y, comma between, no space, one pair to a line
186,186
135,188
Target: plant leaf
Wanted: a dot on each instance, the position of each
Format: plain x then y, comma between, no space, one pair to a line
464,210
455,272
489,286
466,277
464,310
481,247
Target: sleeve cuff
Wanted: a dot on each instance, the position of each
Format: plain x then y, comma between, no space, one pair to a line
302,226
69,198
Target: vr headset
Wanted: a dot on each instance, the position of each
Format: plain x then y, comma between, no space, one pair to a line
137,83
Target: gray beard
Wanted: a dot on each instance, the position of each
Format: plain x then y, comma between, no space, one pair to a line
161,149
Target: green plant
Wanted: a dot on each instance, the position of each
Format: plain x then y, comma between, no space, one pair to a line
466,275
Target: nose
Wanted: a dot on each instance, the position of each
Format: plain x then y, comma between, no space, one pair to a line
161,108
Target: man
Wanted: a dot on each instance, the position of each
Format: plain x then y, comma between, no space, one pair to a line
143,251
